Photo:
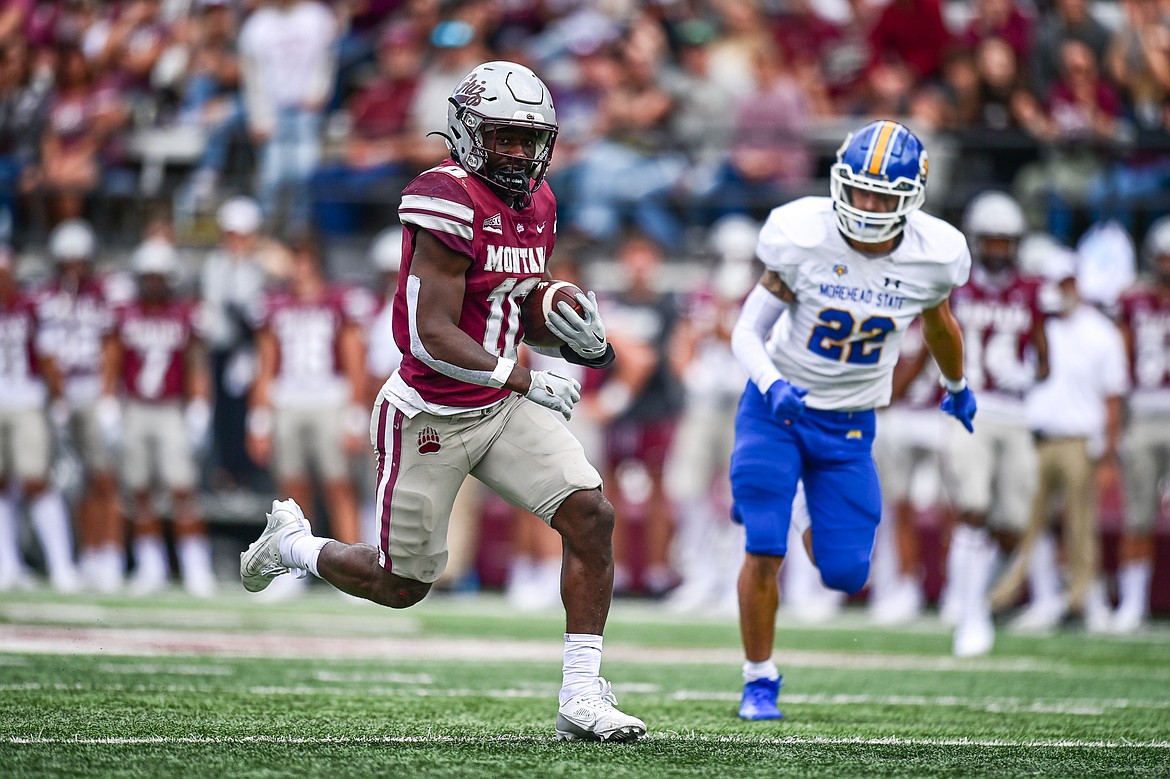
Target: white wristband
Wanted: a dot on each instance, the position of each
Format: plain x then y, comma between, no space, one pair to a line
503,370
952,385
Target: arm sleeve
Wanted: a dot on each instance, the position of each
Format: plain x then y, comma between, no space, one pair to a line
759,314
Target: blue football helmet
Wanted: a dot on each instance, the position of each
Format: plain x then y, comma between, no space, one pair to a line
882,157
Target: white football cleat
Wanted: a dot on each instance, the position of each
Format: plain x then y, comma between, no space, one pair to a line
1040,616
974,636
261,562
593,716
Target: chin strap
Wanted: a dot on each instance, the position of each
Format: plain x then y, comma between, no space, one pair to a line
604,361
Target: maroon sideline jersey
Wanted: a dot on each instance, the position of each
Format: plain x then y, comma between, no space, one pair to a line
507,251
307,334
1147,315
154,342
997,325
19,375
76,322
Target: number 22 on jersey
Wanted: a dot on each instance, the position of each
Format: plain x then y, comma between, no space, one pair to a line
838,336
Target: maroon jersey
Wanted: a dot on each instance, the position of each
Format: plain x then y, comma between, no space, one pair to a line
154,342
20,382
997,323
75,322
507,251
1147,315
307,334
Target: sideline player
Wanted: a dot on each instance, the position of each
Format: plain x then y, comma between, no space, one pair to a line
850,273
479,229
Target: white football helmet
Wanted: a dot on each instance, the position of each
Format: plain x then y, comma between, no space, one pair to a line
72,240
502,94
992,215
155,257
1157,242
386,250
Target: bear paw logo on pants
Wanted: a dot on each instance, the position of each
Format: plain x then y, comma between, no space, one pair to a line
428,441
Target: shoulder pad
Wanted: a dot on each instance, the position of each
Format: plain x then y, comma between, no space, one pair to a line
802,222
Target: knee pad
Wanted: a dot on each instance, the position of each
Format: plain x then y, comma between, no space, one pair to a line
847,574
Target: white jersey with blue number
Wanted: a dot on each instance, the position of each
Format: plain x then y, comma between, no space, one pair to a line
840,338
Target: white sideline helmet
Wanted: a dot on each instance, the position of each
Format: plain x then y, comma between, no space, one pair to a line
386,250
155,256
502,94
73,239
994,214
1157,242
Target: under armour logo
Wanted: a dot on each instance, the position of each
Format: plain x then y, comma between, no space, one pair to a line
428,441
895,283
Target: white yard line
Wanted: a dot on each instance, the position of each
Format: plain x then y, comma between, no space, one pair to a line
671,737
161,642
994,704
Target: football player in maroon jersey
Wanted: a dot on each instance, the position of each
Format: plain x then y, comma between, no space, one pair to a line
991,474
155,359
76,317
478,232
29,377
1145,325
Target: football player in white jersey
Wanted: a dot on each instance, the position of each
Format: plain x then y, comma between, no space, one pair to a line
851,272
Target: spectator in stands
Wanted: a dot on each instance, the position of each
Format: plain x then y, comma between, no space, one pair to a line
629,171
27,383
1003,19
455,50
287,50
126,47
23,106
770,160
306,411
642,418
14,18
379,155
154,358
1138,60
211,93
1080,124
911,32
81,118
361,21
1067,20
743,33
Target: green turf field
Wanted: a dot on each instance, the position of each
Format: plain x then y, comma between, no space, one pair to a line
327,687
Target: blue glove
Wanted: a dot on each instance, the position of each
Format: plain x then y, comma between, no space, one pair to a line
785,400
961,405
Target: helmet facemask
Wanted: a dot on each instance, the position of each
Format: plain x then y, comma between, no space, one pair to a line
872,226
494,98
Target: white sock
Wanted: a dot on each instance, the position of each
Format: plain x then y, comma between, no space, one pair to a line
582,665
765,670
50,520
973,562
1133,584
301,551
150,558
194,556
11,563
1043,571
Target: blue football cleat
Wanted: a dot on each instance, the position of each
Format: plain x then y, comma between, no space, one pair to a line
759,700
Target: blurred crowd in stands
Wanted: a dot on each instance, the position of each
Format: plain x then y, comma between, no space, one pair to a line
249,156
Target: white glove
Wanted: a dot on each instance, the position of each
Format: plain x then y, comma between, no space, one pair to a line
108,413
551,390
585,336
197,420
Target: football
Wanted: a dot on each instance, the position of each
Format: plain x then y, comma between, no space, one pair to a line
538,303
